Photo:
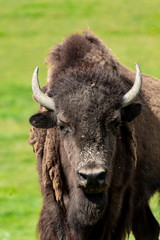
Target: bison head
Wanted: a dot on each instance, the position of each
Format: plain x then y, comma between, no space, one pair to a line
90,114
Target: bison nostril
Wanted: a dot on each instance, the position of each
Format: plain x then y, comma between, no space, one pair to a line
101,177
83,176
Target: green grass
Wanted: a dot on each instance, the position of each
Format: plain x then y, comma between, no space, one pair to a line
28,29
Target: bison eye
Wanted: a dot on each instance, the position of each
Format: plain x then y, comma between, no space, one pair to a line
63,127
115,125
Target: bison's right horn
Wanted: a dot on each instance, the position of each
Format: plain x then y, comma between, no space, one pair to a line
131,95
43,99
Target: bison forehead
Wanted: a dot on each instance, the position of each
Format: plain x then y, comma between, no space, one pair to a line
88,102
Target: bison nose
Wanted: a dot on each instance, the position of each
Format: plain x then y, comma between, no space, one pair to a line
92,181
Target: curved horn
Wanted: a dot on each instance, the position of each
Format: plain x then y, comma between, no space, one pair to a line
131,95
43,99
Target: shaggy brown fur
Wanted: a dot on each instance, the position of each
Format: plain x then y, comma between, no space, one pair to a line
87,84
46,147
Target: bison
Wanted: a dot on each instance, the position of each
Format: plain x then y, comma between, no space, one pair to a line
96,138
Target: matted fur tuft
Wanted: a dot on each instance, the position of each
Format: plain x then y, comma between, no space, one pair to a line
46,145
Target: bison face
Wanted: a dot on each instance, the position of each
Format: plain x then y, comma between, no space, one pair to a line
90,145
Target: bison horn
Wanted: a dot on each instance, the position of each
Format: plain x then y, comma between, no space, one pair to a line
131,95
43,99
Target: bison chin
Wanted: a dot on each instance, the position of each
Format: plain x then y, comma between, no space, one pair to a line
86,209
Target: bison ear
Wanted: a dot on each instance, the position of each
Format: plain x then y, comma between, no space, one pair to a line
131,111
43,120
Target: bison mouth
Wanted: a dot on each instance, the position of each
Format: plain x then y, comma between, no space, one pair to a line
95,197
94,190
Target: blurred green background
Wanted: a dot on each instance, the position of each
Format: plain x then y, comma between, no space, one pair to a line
28,29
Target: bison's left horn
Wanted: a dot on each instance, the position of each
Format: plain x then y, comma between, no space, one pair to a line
131,95
43,99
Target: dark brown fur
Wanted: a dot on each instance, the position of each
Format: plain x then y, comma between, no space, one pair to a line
87,84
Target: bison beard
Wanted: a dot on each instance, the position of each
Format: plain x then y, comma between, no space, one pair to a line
86,210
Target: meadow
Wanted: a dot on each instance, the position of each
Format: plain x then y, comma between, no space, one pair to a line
28,29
